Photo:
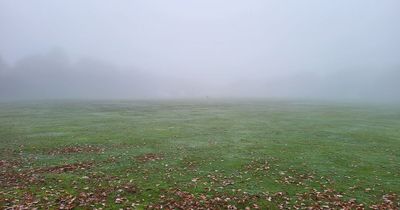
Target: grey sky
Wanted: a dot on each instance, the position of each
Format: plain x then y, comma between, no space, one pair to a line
245,48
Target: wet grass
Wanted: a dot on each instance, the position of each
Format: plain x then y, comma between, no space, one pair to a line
143,150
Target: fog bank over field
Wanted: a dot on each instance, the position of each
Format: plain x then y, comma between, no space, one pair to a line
339,50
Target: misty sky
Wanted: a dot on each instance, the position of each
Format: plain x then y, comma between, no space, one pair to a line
133,49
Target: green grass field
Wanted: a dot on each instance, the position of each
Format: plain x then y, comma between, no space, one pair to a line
199,154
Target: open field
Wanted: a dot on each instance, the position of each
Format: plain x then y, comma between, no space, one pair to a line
198,154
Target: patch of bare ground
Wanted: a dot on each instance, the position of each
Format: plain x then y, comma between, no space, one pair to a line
149,157
76,149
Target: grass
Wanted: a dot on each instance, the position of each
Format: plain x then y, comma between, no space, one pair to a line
146,152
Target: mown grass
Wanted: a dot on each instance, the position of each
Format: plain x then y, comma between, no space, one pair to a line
353,149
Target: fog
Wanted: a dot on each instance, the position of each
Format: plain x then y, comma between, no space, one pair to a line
336,50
